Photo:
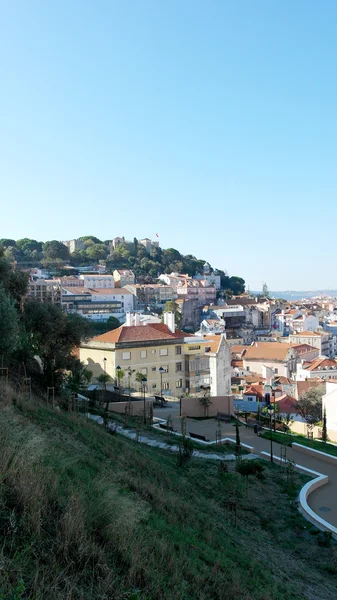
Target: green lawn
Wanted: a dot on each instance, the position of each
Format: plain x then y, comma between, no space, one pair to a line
86,515
287,440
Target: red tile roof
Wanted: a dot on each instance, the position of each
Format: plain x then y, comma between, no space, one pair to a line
140,333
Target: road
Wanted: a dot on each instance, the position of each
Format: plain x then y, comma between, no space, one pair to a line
322,501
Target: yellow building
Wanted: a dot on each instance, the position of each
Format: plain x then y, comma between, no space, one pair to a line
144,349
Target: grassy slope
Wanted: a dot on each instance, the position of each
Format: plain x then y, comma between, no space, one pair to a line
84,514
288,439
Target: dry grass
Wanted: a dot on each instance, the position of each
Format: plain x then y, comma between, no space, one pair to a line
86,515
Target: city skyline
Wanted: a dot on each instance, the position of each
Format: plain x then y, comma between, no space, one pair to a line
221,136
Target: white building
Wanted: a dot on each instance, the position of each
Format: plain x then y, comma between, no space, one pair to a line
279,358
329,402
322,367
98,304
97,281
316,339
219,355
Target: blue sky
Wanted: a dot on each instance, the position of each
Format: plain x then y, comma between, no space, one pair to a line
212,123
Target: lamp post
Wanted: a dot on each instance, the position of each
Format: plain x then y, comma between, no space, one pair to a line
104,367
274,388
130,371
144,380
161,371
270,412
118,370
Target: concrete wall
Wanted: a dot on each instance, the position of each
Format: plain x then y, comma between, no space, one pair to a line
256,366
137,408
220,370
192,407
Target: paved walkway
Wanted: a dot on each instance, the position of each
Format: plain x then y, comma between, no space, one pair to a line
150,441
324,497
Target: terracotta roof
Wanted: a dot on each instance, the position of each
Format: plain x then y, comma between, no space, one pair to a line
77,290
286,404
110,291
306,334
139,333
267,351
238,349
322,363
303,348
255,390
305,386
213,341
283,380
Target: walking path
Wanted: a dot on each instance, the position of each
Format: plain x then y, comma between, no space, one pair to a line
323,500
142,439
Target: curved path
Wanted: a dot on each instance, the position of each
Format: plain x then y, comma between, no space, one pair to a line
323,500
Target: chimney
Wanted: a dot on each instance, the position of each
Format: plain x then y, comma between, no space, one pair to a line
136,319
129,316
169,320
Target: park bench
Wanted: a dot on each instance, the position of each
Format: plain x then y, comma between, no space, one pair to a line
223,417
196,436
164,426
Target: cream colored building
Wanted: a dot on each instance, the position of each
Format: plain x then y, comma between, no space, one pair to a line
278,358
188,363
144,349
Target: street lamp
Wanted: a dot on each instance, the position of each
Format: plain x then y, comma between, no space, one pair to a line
161,371
270,412
144,380
274,388
130,371
118,370
104,367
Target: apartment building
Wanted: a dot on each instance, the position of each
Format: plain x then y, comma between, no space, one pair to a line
320,340
45,290
151,294
96,280
123,277
97,304
172,361
142,348
323,368
276,357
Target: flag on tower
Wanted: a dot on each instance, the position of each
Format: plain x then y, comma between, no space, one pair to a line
157,234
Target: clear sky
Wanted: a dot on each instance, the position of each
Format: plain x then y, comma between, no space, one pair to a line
213,123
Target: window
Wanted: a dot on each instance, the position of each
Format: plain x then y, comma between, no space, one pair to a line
179,383
126,355
165,368
166,385
144,371
154,368
179,367
153,351
154,386
178,349
247,368
143,354
276,371
163,352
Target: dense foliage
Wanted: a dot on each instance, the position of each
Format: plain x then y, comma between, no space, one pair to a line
36,340
127,255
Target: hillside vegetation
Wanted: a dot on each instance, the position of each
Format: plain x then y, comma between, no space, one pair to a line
127,255
88,515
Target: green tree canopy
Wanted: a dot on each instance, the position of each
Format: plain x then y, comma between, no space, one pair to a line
9,323
55,250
